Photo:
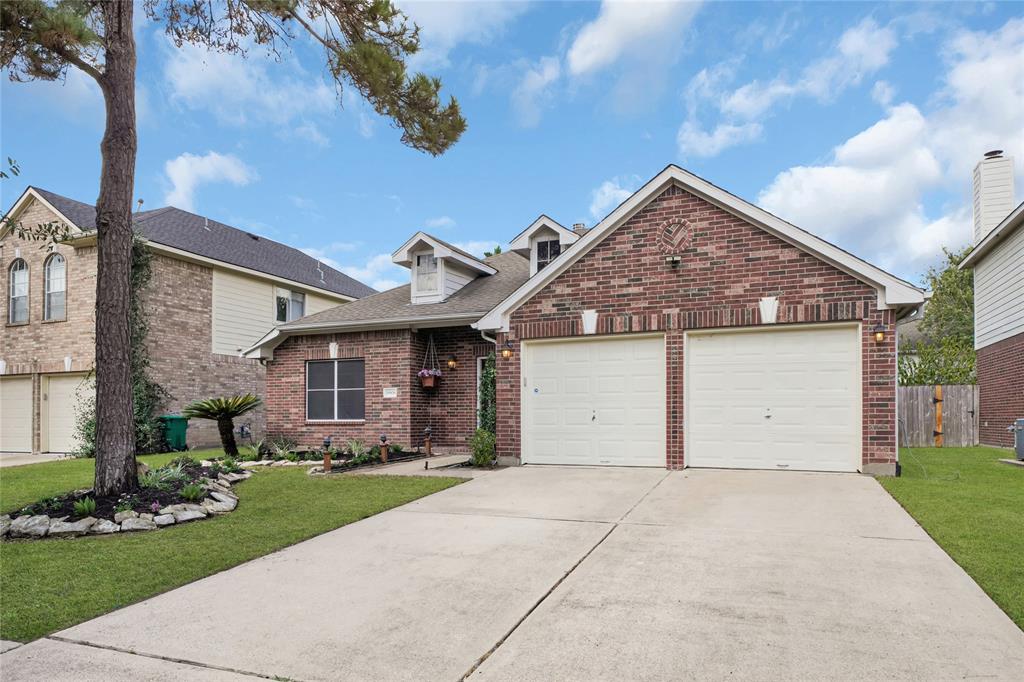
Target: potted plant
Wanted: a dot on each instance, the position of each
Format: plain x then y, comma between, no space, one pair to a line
429,377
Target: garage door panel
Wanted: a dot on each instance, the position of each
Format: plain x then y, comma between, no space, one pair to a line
781,398
16,414
62,396
609,395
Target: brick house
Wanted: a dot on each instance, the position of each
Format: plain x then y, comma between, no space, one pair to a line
687,328
998,263
214,291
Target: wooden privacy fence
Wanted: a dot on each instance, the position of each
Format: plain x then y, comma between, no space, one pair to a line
937,416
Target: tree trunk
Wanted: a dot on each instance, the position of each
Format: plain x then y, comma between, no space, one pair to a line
226,426
115,427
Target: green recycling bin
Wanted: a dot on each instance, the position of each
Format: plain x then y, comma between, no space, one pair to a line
175,427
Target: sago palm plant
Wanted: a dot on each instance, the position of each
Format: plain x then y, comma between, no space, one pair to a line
223,411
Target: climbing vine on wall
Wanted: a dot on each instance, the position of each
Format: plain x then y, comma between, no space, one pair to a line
488,406
147,396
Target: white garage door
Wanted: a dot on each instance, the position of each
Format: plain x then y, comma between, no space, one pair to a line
595,402
61,394
779,399
16,414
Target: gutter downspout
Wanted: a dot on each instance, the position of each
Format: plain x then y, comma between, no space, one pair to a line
493,340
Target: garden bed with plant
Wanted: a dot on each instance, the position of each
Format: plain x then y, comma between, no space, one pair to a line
281,451
180,491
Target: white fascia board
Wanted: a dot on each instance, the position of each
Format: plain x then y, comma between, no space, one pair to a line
29,194
181,254
522,240
1004,229
892,290
403,255
264,348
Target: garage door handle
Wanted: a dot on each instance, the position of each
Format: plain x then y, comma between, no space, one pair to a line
593,417
767,416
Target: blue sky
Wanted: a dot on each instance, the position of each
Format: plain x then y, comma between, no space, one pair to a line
859,122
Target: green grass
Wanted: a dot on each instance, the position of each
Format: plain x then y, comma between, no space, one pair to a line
971,504
53,584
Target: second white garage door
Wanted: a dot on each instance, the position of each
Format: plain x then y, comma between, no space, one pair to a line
788,398
61,395
595,401
16,414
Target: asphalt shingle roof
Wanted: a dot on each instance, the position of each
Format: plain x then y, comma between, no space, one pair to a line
474,299
196,234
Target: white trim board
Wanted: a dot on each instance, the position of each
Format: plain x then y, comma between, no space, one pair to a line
893,292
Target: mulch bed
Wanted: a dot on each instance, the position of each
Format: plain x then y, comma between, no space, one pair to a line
143,500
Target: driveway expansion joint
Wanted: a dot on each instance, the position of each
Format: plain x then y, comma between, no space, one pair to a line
170,659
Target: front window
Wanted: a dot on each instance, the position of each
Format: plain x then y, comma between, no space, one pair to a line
547,251
335,390
289,305
426,272
55,288
17,292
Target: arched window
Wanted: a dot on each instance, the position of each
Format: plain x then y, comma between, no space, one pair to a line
17,292
55,284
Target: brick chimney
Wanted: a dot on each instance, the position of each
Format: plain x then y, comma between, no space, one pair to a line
993,192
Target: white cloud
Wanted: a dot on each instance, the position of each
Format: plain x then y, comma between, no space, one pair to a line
693,141
446,25
533,93
442,222
251,90
610,194
861,50
378,272
883,92
626,28
188,171
477,247
873,193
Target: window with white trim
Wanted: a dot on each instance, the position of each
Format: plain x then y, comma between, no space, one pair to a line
426,273
289,305
17,292
547,251
336,390
55,282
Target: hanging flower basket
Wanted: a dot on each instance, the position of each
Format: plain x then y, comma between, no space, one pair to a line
429,378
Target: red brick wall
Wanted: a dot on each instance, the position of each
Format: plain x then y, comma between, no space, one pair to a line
1001,389
727,267
392,359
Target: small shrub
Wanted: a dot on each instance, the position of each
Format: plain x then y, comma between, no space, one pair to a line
230,466
125,503
292,456
366,457
313,455
482,444
356,447
192,492
85,507
251,453
395,448
181,461
165,477
279,446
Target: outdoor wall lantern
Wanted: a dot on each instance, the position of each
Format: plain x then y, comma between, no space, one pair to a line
879,331
452,362
506,352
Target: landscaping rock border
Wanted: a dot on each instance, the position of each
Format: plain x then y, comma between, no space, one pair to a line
222,500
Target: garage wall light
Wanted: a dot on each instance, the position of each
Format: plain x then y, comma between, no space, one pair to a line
879,331
452,362
506,352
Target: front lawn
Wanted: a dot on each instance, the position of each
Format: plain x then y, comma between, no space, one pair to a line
971,504
49,585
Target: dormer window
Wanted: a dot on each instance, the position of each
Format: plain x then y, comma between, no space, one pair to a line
547,251
426,273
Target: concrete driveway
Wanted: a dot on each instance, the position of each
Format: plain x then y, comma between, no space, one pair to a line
574,573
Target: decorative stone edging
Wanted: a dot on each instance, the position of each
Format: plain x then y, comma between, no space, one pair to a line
221,500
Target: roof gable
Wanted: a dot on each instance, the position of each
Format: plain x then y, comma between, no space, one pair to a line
892,291
1000,232
565,235
403,255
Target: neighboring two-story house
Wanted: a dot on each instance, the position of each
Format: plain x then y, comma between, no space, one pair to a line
998,264
686,328
214,291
